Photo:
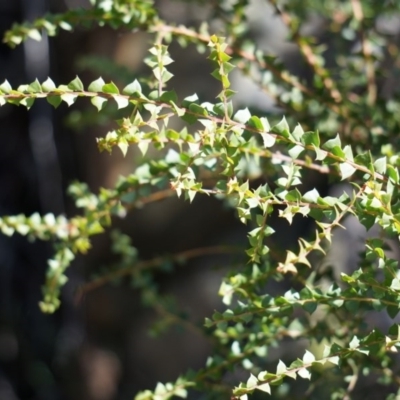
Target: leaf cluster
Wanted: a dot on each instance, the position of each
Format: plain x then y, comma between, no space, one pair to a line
212,155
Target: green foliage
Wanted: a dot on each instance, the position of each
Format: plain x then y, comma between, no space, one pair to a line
223,146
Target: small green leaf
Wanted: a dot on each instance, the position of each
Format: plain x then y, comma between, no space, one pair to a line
219,109
251,382
264,387
295,151
179,111
282,128
123,146
268,139
308,357
310,307
169,97
196,109
331,144
365,159
27,102
143,147
48,85
54,100
265,123
380,165
189,118
355,342
76,85
298,132
97,85
346,170
393,173
311,138
5,87
132,88
65,25
311,196
69,98
121,101
35,35
110,88
189,100
304,373
395,285
242,116
256,123
98,102
321,154
35,87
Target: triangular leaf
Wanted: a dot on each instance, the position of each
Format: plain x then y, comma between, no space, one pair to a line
268,139
242,116
121,101
27,102
55,101
48,85
98,102
69,98
308,357
311,196
330,144
282,128
264,388
97,85
132,88
110,88
35,87
380,165
123,146
76,85
295,151
5,87
346,170
298,132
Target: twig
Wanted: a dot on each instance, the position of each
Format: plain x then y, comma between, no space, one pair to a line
284,76
367,53
149,264
151,198
309,55
323,169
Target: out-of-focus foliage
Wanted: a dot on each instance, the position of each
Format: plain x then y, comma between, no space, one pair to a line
342,120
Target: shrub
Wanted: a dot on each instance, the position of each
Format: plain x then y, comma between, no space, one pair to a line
341,122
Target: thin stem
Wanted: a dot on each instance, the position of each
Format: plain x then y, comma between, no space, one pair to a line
367,53
309,54
190,326
150,264
284,76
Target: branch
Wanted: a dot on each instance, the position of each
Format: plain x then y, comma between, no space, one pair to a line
309,55
367,53
150,264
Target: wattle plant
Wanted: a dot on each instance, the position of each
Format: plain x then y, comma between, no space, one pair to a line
212,155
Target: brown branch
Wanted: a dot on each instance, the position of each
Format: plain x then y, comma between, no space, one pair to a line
323,169
150,264
284,76
218,120
309,55
367,53
151,198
